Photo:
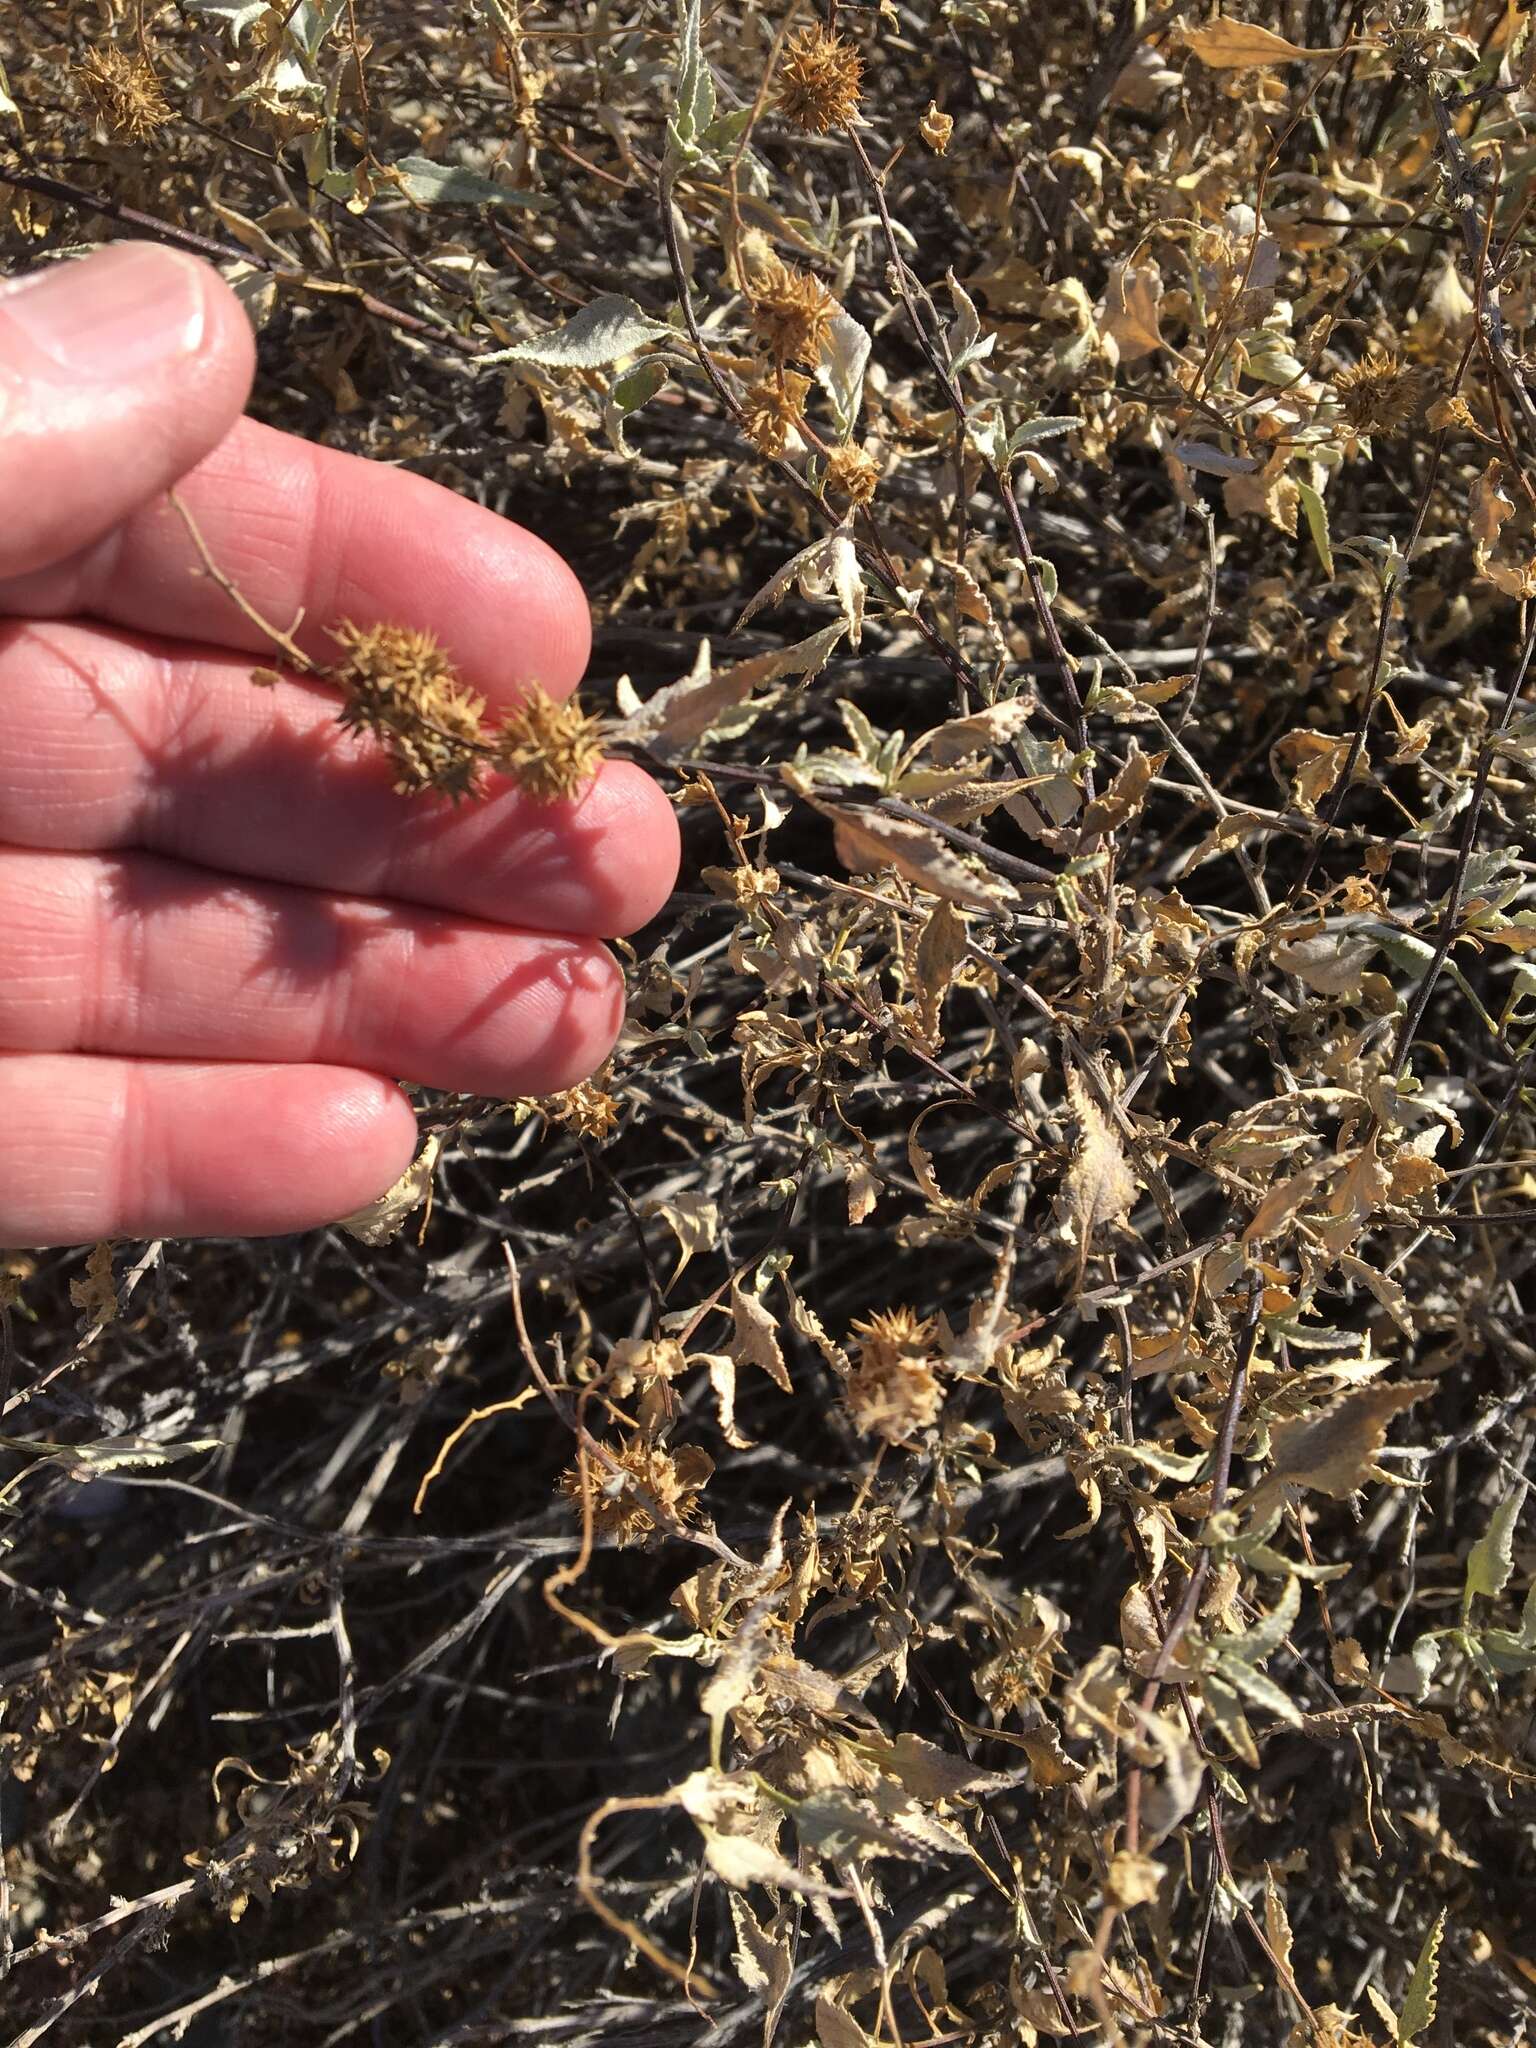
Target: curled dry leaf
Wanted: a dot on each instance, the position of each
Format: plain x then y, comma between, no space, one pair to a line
381,1221
1333,1452
1100,1186
867,840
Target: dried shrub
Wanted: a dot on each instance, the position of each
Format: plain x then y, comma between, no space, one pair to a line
971,1488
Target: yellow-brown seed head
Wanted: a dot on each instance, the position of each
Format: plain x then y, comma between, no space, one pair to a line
853,472
771,407
819,82
653,1488
791,312
893,1391
1381,394
588,1109
125,90
401,686
550,750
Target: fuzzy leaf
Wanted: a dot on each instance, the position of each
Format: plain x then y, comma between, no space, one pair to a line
1226,1710
764,1960
868,840
693,1219
1236,45
606,330
840,373
755,1338
1333,1452
1261,1641
836,2028
1259,1687
431,184
381,1221
236,15
937,955
693,90
687,709
1315,511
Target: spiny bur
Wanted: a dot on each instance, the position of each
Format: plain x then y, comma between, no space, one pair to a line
401,687
125,91
893,1391
819,84
551,750
791,312
771,409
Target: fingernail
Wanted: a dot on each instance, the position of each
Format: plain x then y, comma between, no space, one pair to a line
111,315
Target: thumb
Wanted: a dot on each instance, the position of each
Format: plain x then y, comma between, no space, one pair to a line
118,372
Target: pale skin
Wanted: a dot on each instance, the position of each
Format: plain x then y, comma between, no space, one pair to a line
224,937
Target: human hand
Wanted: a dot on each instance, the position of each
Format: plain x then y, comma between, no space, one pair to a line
222,931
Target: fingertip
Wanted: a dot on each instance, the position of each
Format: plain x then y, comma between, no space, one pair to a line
638,846
590,1022
537,626
225,364
355,1106
332,1140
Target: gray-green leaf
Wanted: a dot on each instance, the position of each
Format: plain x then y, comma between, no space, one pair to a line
693,91
1317,525
431,184
236,15
603,332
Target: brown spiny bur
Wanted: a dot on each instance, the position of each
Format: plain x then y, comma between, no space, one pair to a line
646,1488
791,312
893,1391
401,687
551,750
819,84
125,91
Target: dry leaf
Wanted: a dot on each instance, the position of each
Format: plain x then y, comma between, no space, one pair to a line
939,951
866,840
381,1221
1490,508
1333,1452
836,2028
1133,1880
764,1961
96,1295
1131,303
755,1337
1100,1187
1236,45
686,710
958,738
1123,799
693,1219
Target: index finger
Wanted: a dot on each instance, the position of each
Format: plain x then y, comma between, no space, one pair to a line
301,529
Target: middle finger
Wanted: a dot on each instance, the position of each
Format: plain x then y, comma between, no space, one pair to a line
112,741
